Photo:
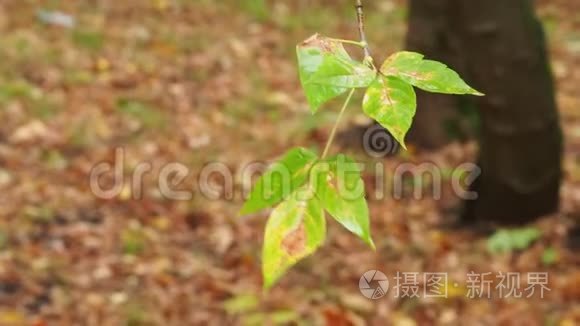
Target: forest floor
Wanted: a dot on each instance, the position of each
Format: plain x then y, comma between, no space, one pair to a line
202,82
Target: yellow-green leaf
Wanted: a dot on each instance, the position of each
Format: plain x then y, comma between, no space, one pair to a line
392,103
327,71
341,191
281,179
428,75
295,229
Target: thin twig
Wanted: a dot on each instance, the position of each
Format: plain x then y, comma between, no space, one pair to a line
368,59
333,132
361,29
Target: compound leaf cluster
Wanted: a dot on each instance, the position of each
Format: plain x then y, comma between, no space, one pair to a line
302,185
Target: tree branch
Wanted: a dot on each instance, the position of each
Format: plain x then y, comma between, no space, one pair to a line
361,30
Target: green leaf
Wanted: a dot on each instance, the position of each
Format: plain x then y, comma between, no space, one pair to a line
241,304
341,191
296,228
284,317
505,241
327,71
500,242
523,238
392,103
549,256
428,75
281,179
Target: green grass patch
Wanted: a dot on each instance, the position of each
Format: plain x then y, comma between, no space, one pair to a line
149,117
88,40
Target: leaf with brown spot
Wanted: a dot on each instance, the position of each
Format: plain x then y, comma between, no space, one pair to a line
295,229
392,103
295,242
428,75
327,71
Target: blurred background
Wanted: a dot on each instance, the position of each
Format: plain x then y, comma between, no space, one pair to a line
200,81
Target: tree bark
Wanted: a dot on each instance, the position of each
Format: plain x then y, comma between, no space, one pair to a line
499,46
430,34
520,146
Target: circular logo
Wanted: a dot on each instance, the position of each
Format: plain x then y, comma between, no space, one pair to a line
373,284
379,143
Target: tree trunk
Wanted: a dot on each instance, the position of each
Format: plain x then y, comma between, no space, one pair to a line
520,145
437,121
499,47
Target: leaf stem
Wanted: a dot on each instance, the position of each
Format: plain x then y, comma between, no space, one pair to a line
333,132
357,43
